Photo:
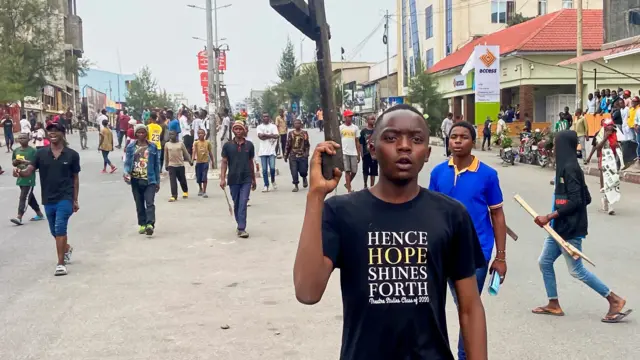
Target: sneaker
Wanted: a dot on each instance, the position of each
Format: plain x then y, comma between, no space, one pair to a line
142,229
16,221
185,195
113,169
274,186
103,172
265,189
67,255
172,199
204,195
305,183
149,230
37,218
61,270
243,234
295,188
200,193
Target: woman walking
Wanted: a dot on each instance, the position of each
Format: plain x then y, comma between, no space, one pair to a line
106,146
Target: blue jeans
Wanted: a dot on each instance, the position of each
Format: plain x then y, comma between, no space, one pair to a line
58,215
105,158
271,161
552,251
638,141
481,276
240,196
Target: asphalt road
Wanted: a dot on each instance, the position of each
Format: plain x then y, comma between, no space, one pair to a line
170,296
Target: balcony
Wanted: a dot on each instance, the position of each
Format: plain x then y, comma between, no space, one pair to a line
73,34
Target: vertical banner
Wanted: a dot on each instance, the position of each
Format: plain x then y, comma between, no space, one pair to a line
486,63
222,61
203,61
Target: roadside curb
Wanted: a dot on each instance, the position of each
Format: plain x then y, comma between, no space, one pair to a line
625,176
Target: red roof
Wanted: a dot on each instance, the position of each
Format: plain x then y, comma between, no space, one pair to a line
547,33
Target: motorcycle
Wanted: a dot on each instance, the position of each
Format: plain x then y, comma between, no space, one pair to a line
507,152
525,155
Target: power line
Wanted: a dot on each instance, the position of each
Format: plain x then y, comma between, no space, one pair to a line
360,46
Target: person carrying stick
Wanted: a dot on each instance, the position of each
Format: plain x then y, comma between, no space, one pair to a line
569,220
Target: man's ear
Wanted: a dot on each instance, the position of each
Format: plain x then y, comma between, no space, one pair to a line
372,149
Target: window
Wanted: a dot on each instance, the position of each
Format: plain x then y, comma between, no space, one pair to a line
449,27
405,74
567,4
542,7
415,39
429,58
412,68
502,11
429,19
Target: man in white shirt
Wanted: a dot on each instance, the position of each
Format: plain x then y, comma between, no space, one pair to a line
445,127
268,135
25,125
103,116
591,104
224,127
197,124
349,133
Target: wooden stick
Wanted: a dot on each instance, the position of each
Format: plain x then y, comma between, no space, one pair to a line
570,249
228,202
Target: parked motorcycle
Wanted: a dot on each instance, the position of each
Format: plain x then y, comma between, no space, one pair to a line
508,155
525,155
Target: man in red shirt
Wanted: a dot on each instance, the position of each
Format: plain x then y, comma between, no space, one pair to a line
123,121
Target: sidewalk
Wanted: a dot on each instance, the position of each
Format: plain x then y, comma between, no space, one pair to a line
591,169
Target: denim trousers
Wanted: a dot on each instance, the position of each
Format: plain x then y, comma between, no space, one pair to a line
268,160
638,141
481,276
58,215
551,251
298,166
105,158
144,195
240,196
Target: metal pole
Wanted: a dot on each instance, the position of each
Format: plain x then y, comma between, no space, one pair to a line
579,80
595,80
210,66
217,68
73,92
387,32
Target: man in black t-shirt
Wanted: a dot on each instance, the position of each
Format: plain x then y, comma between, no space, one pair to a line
237,157
369,164
396,245
7,125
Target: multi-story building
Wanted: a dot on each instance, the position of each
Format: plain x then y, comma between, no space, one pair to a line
429,30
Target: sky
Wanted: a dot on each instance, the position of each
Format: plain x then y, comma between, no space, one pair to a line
125,35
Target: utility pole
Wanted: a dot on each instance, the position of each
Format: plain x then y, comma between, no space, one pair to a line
579,81
386,41
212,94
311,20
217,68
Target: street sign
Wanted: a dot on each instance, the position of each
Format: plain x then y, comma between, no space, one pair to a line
222,61
203,60
204,79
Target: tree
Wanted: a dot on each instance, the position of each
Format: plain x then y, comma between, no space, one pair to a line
256,106
143,93
517,18
287,65
30,38
423,91
269,103
310,87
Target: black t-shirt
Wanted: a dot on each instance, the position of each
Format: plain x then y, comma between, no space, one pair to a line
395,260
56,175
7,124
239,160
365,135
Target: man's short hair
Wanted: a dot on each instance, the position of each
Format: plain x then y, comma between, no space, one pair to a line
465,125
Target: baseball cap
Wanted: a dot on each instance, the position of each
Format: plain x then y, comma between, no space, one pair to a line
627,92
636,99
347,113
55,126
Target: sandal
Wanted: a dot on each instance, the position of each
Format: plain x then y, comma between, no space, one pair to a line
616,318
545,311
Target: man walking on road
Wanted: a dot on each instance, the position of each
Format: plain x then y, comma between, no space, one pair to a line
349,134
396,302
175,154
237,159
82,129
59,167
123,122
22,157
460,178
297,154
142,171
281,123
7,125
203,155
569,220
106,146
369,164
268,135
445,127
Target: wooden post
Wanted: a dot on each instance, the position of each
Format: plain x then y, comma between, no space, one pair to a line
311,20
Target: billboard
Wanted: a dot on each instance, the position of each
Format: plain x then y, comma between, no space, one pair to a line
96,101
487,73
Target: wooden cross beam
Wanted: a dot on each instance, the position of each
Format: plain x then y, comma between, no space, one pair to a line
311,20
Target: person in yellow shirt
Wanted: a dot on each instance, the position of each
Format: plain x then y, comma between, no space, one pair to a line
106,146
320,119
581,128
281,123
155,131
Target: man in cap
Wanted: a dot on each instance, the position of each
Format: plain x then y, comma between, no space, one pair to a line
237,158
59,167
142,171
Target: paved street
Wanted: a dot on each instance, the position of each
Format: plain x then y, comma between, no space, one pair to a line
167,297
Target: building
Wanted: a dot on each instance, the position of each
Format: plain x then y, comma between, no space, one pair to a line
429,30
530,75
378,89
115,85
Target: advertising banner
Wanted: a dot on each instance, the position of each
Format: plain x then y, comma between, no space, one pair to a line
204,79
96,101
487,73
222,61
203,61
460,82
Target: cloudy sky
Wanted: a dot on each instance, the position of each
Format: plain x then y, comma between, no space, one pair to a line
158,33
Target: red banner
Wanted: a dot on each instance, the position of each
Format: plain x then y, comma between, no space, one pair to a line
204,79
205,90
222,61
203,61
